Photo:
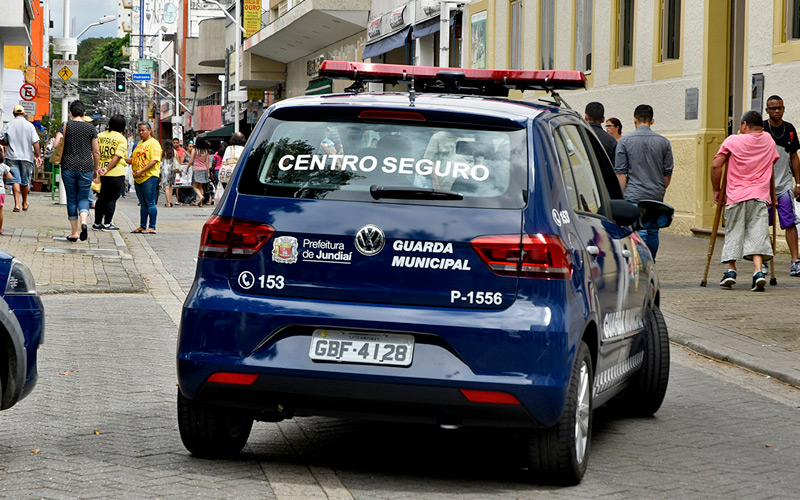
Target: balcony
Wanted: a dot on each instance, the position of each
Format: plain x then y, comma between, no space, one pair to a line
308,27
15,23
211,43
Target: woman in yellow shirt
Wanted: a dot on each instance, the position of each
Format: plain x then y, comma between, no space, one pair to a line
146,162
113,150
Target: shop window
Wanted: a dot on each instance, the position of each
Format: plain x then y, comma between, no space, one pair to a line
671,29
583,35
547,25
625,13
792,20
515,35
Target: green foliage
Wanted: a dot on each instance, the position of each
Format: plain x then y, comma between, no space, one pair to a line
94,53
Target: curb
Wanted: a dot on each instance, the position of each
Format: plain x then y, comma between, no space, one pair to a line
737,349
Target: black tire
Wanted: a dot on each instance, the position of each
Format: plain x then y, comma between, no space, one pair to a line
211,431
557,455
647,388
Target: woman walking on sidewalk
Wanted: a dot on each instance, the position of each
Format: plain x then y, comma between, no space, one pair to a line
146,161
80,162
113,151
169,166
199,162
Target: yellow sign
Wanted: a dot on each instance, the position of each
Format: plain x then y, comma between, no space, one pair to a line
65,73
255,94
252,17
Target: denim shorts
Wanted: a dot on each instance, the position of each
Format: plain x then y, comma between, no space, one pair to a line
20,171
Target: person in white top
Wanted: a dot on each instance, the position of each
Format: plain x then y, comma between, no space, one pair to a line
234,151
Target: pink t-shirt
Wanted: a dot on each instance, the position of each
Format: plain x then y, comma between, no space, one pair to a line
749,166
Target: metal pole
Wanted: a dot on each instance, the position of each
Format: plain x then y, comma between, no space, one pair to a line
177,93
238,74
66,55
444,35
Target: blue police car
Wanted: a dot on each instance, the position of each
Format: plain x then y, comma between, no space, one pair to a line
439,255
21,330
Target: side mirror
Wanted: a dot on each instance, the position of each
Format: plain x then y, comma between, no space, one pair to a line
624,212
654,215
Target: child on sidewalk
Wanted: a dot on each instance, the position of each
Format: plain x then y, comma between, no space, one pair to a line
5,173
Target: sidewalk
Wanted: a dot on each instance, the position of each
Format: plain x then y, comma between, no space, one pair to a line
758,331
103,264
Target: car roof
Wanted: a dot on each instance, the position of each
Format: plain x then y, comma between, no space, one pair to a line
496,107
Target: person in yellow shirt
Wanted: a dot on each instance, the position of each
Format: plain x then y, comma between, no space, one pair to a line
113,150
146,163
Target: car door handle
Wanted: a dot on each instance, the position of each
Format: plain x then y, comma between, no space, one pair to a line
626,253
593,250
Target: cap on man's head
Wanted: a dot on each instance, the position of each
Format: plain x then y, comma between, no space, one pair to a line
18,110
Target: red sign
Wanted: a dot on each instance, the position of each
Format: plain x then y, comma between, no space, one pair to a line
27,92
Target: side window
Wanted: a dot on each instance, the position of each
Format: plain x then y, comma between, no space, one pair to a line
566,171
589,199
606,169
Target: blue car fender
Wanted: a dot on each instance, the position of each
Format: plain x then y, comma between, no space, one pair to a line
14,344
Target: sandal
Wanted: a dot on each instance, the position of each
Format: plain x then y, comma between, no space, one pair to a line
16,209
84,232
138,230
149,231
25,208
72,238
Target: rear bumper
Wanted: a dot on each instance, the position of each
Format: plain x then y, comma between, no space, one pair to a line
524,350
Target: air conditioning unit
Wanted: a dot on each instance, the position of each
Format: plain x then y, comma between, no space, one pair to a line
126,52
127,4
283,7
127,27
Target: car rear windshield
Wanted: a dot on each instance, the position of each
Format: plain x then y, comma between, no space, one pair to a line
388,163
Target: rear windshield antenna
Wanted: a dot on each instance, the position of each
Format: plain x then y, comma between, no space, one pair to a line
557,100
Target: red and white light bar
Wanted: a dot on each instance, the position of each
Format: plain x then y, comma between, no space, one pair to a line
465,77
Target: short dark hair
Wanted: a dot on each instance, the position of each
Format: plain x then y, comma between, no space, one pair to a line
116,124
774,97
237,139
643,113
752,119
616,123
595,111
76,108
146,124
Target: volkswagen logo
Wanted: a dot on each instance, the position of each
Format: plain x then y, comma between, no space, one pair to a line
370,240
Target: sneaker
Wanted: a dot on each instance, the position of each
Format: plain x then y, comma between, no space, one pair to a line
97,227
765,269
110,227
728,279
759,282
794,270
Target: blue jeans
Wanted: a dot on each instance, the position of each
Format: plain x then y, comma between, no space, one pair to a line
650,238
20,171
146,192
77,186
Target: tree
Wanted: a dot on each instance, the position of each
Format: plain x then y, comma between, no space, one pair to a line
94,53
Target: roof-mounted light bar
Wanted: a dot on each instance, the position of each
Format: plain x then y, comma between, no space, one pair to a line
492,82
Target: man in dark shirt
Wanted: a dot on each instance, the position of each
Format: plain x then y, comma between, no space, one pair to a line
787,174
595,115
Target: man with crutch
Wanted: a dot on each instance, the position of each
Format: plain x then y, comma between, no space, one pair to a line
750,156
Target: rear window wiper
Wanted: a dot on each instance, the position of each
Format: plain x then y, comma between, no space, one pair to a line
412,193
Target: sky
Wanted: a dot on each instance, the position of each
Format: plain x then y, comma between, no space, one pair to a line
86,12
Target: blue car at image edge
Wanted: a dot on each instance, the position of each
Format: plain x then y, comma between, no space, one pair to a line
437,255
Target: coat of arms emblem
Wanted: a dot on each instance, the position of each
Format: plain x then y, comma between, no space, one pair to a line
284,249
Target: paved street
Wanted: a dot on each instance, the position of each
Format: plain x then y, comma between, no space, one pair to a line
101,423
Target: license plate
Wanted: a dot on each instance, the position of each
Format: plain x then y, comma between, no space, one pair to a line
368,348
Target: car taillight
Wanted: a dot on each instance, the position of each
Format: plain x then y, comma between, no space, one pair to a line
226,237
529,256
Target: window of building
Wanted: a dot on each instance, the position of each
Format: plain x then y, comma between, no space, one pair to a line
792,20
547,43
625,13
671,29
583,35
515,35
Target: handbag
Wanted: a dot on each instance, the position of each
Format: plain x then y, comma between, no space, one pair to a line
55,158
96,186
226,170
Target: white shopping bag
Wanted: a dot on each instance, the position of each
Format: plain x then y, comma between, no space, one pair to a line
218,193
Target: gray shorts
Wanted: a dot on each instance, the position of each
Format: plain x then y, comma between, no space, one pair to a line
746,231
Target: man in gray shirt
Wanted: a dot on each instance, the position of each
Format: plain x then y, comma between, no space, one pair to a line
23,145
644,166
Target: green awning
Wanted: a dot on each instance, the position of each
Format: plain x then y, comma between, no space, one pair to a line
221,133
319,87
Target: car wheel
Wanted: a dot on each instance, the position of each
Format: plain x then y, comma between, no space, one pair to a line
211,431
647,388
558,455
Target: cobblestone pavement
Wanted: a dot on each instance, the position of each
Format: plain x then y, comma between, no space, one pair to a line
101,423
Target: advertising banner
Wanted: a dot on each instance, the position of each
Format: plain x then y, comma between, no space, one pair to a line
252,17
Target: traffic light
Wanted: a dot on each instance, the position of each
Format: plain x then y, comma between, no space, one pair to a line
119,77
194,83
